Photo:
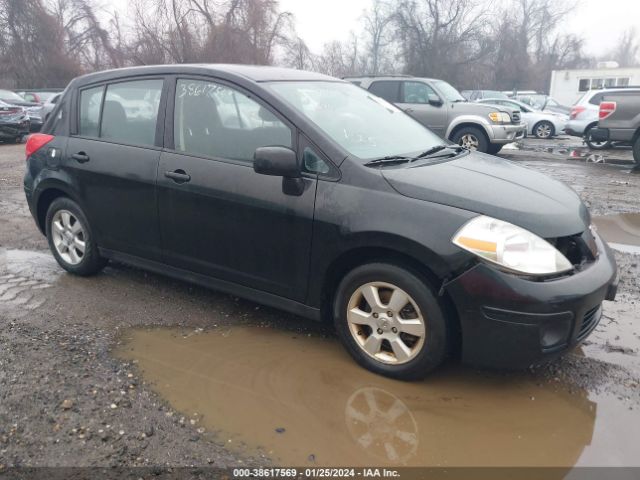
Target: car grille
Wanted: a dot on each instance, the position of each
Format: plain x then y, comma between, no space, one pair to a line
589,321
515,116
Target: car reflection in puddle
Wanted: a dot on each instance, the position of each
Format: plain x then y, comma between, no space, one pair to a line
301,400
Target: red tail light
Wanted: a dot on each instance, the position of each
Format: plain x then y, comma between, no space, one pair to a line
36,141
606,109
575,111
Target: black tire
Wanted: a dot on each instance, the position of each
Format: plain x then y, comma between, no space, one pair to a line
91,262
474,133
636,150
539,130
494,148
435,346
594,145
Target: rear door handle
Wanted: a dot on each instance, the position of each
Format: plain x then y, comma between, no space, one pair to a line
178,176
80,157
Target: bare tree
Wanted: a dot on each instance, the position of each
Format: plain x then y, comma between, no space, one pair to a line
377,30
627,49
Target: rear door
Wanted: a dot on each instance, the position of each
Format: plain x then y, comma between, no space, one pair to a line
415,100
113,155
218,217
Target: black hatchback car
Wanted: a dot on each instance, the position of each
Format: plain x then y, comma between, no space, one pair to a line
307,193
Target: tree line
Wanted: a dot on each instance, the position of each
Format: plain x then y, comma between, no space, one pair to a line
501,44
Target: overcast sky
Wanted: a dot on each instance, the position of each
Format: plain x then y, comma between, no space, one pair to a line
600,22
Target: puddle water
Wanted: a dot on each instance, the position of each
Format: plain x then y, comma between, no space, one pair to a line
302,401
621,231
23,275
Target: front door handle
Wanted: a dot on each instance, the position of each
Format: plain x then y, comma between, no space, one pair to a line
80,157
178,176
408,110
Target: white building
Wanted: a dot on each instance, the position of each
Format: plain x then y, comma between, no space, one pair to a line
567,86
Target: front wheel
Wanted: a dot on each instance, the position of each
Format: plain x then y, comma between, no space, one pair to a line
636,151
471,138
71,239
494,148
390,321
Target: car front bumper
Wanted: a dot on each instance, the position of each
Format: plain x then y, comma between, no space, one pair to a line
502,134
512,322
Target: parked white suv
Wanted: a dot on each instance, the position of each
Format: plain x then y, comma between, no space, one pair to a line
584,116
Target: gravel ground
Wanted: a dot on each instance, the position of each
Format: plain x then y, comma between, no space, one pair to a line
66,401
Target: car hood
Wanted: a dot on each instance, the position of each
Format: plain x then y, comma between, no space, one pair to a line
498,188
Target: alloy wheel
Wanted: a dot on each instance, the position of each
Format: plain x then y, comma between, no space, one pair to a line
469,141
68,237
386,323
543,131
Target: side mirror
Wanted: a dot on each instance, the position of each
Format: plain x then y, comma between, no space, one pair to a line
434,100
276,161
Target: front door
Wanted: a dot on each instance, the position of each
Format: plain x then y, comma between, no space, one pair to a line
114,159
416,99
220,218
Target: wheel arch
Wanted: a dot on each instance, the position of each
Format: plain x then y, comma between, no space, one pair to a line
467,124
48,191
362,255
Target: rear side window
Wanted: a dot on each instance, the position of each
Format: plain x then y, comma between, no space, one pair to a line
89,118
596,99
387,89
214,120
130,112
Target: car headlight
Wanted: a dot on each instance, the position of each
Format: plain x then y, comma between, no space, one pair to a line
510,247
500,117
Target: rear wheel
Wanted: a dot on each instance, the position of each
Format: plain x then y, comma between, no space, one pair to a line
636,150
390,321
471,138
592,144
71,239
544,130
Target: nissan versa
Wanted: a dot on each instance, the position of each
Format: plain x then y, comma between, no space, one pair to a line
310,194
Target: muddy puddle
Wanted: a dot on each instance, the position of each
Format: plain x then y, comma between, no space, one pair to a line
302,401
621,231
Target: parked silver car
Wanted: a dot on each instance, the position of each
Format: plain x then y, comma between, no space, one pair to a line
584,116
539,124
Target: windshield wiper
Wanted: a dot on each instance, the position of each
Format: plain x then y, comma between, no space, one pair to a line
391,159
436,149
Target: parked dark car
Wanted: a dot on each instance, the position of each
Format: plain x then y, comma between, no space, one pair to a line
40,96
14,123
310,194
34,110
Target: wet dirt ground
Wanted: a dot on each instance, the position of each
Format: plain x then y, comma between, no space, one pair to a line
130,368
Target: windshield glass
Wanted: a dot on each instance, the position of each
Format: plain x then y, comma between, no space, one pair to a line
363,124
9,96
449,92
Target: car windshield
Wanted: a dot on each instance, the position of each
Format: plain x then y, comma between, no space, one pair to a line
44,96
494,94
9,96
449,92
363,124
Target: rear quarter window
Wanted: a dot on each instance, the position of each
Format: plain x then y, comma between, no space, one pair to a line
387,89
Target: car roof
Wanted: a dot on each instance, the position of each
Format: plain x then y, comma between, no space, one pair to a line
255,73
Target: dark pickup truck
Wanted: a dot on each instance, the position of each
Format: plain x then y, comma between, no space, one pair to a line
619,120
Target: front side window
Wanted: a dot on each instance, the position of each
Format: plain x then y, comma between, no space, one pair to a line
363,124
130,112
418,92
214,120
449,92
89,118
